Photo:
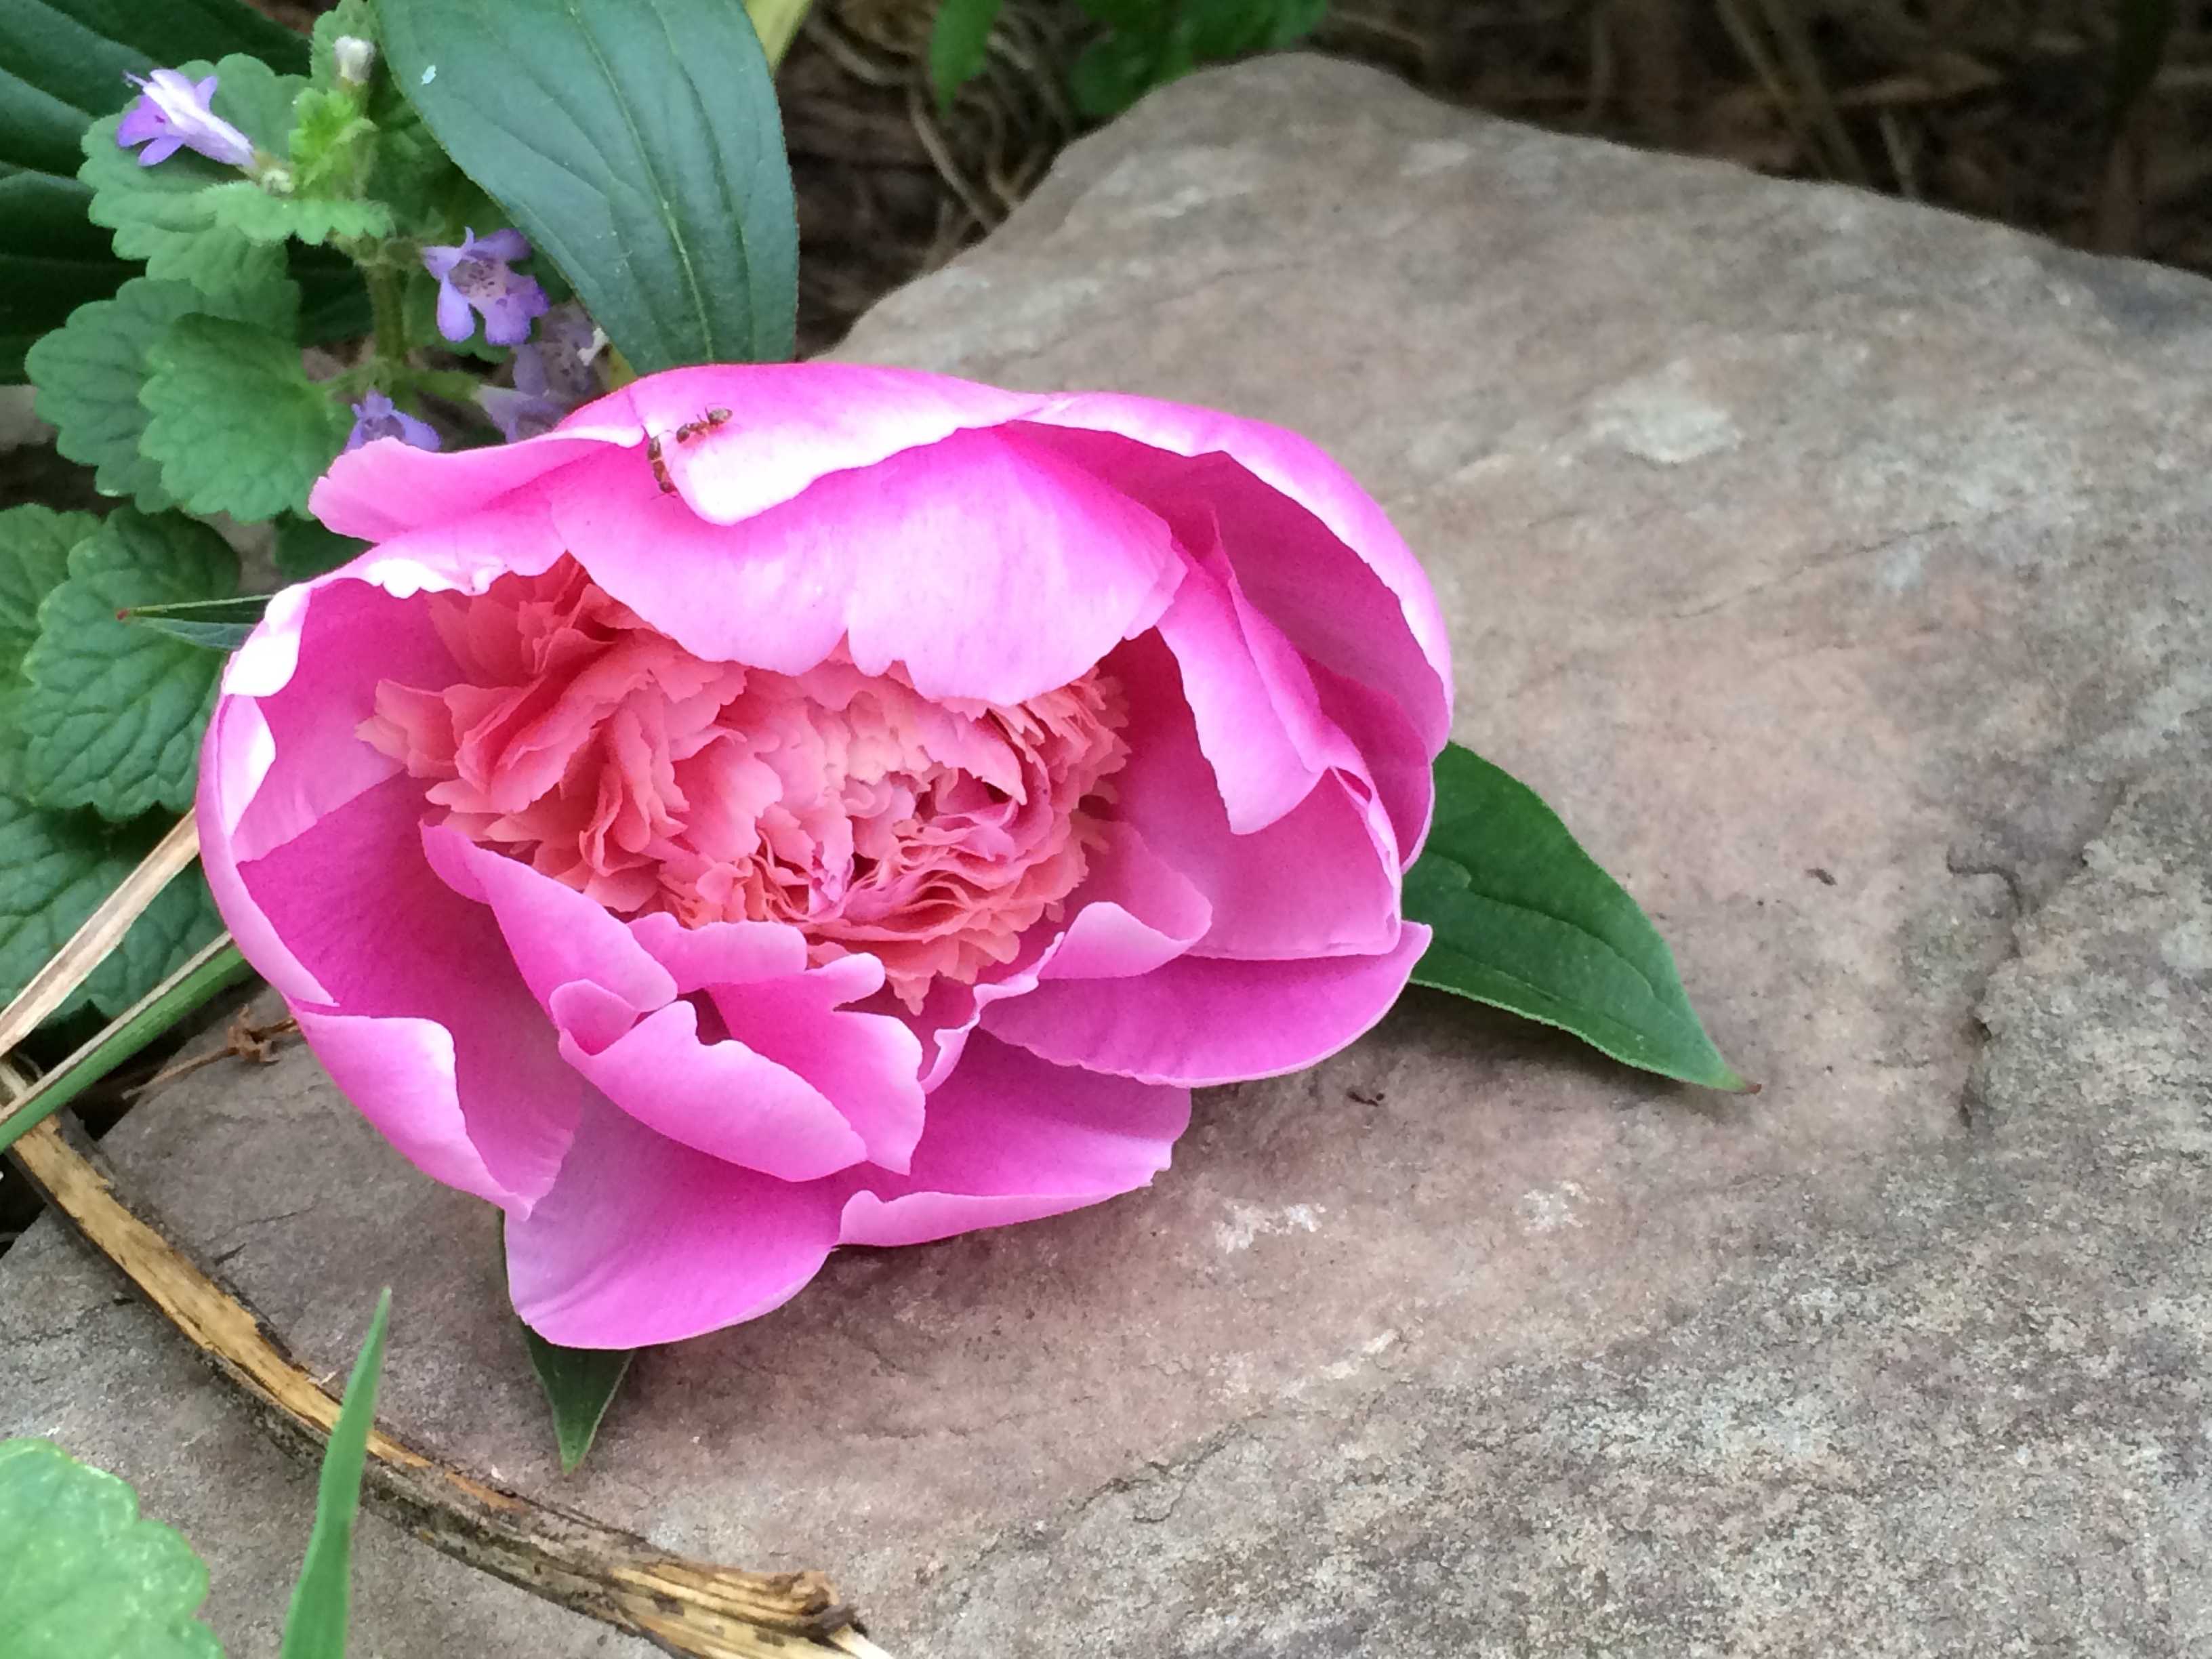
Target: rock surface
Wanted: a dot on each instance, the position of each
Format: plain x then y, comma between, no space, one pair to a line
1837,569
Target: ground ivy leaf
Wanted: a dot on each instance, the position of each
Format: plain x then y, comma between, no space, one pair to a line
1526,920
236,424
257,100
35,547
256,215
83,1575
89,373
580,1384
161,214
113,713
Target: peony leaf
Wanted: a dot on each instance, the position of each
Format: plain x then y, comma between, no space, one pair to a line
638,145
113,716
322,1602
89,373
83,1575
580,1384
236,424
1526,921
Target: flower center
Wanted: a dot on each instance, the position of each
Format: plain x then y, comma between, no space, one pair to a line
931,833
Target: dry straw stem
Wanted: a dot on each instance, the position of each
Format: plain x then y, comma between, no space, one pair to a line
685,1607
103,930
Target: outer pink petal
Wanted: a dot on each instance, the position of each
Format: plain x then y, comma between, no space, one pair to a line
1011,1139
720,1097
644,1240
1203,1020
1323,880
384,489
1359,605
988,567
1134,912
787,424
358,906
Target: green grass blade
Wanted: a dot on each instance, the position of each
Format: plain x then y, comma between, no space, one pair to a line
215,968
315,1628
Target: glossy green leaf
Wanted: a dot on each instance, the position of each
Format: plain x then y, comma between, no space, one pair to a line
322,1602
1526,920
52,260
211,624
234,422
958,40
90,371
113,714
83,1575
580,1384
637,143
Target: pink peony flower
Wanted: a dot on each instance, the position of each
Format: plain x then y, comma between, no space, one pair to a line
809,805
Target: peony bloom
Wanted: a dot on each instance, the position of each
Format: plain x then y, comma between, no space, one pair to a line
797,805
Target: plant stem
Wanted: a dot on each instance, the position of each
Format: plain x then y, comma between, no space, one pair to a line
387,291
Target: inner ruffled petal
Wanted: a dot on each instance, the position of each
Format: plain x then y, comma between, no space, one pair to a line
929,834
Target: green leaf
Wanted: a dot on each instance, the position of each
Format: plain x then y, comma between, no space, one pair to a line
304,548
162,214
332,142
212,624
1526,920
113,714
35,548
257,100
83,1575
90,371
55,867
260,217
637,143
236,424
315,1627
580,1384
958,42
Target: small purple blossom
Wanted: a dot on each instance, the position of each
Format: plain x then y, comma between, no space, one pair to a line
377,416
172,114
553,373
476,275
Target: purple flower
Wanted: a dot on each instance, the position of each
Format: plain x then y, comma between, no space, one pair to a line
553,373
172,113
475,274
377,416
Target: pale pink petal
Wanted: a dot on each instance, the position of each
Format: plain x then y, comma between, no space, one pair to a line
1396,759
721,952
381,490
784,425
720,1097
1011,1139
989,568
1134,912
234,757
514,535
357,903
1204,1020
644,1240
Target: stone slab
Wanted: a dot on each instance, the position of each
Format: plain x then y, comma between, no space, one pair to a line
1838,567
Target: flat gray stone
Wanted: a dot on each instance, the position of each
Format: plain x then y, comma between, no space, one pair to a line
1838,567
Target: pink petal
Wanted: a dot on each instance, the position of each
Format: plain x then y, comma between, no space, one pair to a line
989,568
359,908
644,1240
383,490
789,425
233,758
1011,1139
1314,554
721,1098
1323,880
1134,912
1203,1020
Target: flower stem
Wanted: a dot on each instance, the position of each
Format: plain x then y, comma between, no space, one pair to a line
386,289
